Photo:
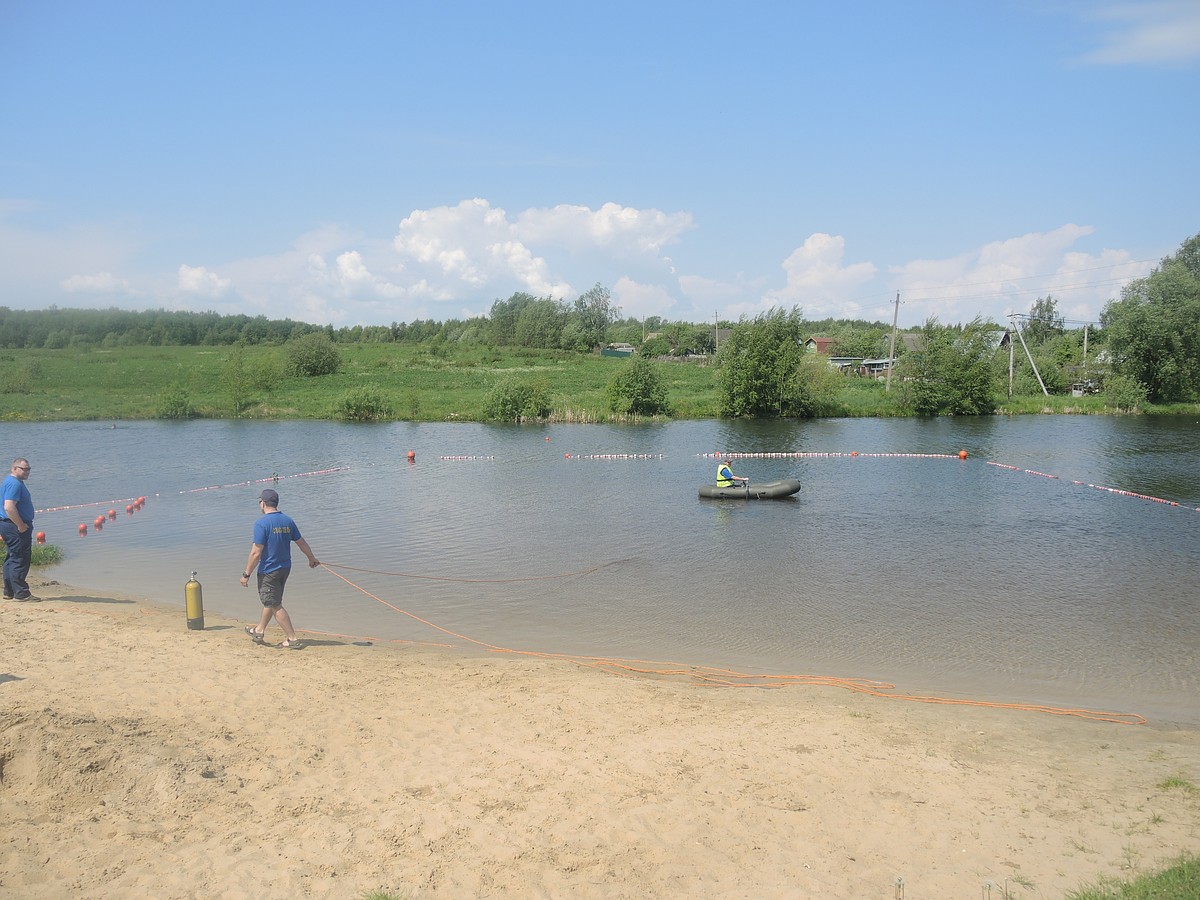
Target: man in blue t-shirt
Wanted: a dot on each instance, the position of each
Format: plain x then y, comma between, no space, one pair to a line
16,527
271,552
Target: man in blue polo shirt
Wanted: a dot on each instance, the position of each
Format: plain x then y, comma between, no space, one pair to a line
271,552
16,527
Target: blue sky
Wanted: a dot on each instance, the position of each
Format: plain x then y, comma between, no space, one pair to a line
377,162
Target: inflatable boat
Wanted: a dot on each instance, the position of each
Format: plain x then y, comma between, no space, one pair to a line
767,490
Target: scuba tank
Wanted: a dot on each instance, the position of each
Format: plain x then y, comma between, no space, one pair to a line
193,601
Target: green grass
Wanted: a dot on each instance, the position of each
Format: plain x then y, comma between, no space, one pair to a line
1180,880
420,383
1177,783
42,555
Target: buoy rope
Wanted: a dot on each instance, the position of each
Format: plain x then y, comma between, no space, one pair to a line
269,478
215,487
474,580
50,509
1099,487
708,676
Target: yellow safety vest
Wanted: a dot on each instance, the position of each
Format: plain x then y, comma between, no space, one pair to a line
724,476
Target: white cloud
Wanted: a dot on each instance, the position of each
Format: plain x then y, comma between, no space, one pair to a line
817,281
1008,276
474,245
620,230
1156,33
200,281
642,300
99,283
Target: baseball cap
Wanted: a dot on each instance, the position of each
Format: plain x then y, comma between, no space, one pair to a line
269,497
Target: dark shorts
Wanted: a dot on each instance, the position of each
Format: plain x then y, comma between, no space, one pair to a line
270,587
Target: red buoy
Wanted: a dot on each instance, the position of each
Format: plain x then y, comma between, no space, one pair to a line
411,455
962,454
129,508
41,537
82,528
112,514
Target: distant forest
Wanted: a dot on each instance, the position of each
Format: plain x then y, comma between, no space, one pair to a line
520,321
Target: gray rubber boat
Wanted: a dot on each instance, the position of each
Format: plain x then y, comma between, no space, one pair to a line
766,490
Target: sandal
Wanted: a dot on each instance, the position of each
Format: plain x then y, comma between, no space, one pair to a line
258,636
290,644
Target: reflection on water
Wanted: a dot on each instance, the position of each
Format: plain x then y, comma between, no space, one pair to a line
942,575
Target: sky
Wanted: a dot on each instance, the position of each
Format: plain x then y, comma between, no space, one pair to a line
365,163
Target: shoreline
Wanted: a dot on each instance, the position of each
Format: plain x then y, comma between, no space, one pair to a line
141,758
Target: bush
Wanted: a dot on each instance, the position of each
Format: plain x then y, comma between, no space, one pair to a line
313,354
265,373
1124,393
515,400
175,404
364,405
638,389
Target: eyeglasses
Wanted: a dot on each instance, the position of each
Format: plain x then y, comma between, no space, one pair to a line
22,468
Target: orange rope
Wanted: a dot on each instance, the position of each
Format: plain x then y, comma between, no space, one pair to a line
467,580
715,677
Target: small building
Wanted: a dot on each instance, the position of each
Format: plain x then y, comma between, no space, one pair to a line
820,345
874,368
620,351
846,364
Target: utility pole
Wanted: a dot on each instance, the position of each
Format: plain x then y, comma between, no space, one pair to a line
887,386
716,331
1029,356
1011,361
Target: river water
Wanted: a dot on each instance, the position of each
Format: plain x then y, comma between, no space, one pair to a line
1028,572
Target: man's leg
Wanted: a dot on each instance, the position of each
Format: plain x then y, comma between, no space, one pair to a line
20,554
10,534
265,619
285,622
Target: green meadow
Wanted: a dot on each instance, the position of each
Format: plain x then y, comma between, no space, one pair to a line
410,382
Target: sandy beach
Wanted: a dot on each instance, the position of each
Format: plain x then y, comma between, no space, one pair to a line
138,759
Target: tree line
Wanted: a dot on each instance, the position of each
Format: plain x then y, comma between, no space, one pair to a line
1147,348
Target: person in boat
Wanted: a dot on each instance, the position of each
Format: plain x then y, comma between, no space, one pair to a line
726,478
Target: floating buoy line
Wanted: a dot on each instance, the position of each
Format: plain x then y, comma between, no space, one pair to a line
268,479
710,676
133,504
1099,487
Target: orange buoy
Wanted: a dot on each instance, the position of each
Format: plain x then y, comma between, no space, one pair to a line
854,453
129,509
112,514
82,528
41,537
411,455
962,454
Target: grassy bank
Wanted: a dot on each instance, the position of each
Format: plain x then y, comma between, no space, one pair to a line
417,382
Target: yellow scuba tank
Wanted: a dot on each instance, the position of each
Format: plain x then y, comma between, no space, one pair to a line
193,600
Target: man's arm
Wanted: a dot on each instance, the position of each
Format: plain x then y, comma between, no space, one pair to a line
252,561
10,511
313,562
